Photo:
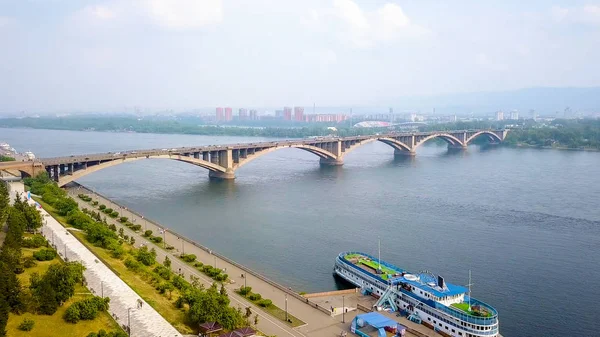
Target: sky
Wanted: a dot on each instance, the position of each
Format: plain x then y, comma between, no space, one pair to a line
62,55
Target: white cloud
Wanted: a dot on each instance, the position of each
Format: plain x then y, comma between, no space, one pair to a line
102,12
360,28
588,14
184,14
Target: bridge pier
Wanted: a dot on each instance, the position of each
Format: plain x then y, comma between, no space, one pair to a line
331,162
403,153
216,175
459,147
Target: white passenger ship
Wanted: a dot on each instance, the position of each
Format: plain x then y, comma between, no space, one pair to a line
425,298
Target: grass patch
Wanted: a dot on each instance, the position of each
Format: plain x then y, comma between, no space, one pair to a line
465,308
165,307
49,326
275,311
375,266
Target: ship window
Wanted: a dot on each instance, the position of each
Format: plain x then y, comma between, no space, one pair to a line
440,324
453,330
429,318
460,333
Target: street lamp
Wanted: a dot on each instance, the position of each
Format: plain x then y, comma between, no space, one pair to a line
245,278
102,288
343,310
286,314
128,322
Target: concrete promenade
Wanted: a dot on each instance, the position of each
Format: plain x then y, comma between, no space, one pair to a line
126,307
318,320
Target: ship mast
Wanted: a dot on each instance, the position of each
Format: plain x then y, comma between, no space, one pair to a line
470,284
379,257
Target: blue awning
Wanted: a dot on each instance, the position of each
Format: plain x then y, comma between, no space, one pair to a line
377,320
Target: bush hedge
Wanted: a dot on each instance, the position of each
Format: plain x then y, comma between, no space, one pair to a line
45,254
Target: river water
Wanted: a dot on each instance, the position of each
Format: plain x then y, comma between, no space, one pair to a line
526,222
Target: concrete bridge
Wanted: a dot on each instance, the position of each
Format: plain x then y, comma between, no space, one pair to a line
223,160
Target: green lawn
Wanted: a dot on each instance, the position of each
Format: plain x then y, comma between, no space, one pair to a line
375,265
278,313
465,308
53,325
165,307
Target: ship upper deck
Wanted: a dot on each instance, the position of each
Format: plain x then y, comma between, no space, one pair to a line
394,275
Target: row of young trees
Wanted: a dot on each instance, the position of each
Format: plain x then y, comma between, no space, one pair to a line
201,305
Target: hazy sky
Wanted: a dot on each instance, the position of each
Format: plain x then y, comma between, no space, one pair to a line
105,55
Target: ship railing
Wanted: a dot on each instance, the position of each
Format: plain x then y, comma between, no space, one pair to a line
376,276
454,312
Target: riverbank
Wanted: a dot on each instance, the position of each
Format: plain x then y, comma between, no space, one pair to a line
318,320
560,148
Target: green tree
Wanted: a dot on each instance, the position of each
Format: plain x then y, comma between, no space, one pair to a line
56,286
167,262
145,256
4,202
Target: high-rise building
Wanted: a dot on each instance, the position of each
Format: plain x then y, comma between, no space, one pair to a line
253,115
299,114
514,115
287,113
228,114
220,116
499,115
278,113
243,114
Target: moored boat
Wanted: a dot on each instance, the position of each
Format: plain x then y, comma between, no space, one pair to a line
424,297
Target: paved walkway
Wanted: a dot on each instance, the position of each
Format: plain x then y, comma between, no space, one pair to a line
317,322
126,306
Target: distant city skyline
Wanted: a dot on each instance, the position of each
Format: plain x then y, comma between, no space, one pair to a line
103,55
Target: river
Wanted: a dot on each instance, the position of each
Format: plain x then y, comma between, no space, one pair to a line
526,222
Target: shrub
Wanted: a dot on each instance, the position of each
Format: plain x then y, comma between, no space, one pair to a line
245,290
114,214
123,219
29,262
26,325
102,207
163,271
265,303
136,227
169,247
107,210
45,254
198,264
156,239
94,202
148,233
254,297
132,264
188,257
116,250
112,227
35,241
145,256
220,277
86,309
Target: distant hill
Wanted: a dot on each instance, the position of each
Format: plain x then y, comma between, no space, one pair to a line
543,100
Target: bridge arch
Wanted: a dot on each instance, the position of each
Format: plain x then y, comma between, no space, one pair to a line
490,134
321,153
65,179
450,139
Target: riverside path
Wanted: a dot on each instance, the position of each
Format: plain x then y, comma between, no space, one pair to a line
318,320
126,307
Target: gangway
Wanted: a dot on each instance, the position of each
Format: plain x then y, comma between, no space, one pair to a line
386,298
